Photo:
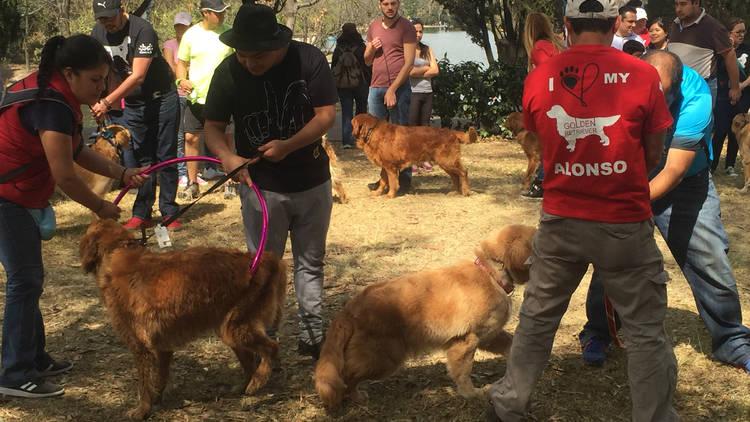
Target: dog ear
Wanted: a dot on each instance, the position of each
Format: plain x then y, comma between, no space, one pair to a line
122,135
88,249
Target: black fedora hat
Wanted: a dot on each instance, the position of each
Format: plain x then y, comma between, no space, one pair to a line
255,29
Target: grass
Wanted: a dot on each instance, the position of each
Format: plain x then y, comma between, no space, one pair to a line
370,240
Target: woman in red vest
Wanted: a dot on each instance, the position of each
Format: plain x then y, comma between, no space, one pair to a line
40,137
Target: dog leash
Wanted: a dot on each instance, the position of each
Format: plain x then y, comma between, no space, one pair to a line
369,131
508,288
612,323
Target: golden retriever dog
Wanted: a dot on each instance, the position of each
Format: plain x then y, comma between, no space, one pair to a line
394,147
337,174
110,149
530,144
457,309
158,302
741,129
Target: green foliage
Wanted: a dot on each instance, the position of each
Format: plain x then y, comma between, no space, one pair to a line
11,23
484,96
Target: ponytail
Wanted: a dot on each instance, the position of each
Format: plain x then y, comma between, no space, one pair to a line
79,52
47,62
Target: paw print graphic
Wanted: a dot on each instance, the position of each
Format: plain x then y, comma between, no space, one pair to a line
570,77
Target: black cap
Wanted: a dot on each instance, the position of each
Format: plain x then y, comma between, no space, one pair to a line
106,8
255,29
217,6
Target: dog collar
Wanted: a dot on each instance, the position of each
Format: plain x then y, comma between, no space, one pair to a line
369,132
508,288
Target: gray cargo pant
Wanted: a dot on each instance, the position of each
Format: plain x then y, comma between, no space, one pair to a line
631,267
305,216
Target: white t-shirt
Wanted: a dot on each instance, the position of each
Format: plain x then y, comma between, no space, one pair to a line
618,41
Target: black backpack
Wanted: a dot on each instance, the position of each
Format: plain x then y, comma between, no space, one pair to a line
347,72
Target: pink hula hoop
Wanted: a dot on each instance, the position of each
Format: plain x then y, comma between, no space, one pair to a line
263,208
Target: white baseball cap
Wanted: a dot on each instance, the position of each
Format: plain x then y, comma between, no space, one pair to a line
640,13
593,9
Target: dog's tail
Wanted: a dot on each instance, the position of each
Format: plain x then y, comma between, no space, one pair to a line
468,137
328,380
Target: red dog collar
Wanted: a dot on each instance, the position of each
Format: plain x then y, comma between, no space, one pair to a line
508,288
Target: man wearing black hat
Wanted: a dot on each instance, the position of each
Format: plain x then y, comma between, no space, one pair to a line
141,77
281,95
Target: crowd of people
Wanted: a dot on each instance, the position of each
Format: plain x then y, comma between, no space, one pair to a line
685,82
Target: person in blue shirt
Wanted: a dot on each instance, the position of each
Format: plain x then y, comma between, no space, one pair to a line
687,213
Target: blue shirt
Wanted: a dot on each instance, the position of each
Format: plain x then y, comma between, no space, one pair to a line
691,130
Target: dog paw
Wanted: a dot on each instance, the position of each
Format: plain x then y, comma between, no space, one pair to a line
138,413
472,393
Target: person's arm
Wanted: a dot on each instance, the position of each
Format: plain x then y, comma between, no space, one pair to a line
133,81
730,58
276,150
433,69
216,141
403,74
97,163
169,58
677,164
654,146
182,76
60,158
371,48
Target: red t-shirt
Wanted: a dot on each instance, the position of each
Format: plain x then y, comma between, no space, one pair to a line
390,58
646,38
542,51
592,105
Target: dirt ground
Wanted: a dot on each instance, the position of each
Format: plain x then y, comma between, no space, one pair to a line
370,240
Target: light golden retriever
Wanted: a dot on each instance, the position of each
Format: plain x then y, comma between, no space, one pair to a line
111,149
394,147
337,174
530,144
457,309
158,302
741,129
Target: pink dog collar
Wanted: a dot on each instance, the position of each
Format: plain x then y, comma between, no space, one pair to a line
508,288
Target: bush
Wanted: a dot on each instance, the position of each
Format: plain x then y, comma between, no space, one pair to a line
484,96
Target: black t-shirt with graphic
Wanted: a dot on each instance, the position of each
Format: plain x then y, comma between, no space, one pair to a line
276,105
136,39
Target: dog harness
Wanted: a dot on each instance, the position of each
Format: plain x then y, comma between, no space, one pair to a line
508,288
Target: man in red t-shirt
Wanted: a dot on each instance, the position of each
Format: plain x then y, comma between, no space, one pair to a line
391,45
596,210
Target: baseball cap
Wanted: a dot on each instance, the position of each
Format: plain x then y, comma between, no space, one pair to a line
183,18
106,8
593,9
640,13
217,6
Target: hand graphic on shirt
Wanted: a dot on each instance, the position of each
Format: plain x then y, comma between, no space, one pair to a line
258,124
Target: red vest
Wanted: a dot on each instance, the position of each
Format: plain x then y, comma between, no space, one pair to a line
33,187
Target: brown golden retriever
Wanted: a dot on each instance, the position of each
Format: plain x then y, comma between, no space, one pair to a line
457,309
394,147
530,144
741,129
110,149
158,302
337,174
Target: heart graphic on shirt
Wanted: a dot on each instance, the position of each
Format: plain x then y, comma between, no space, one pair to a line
577,82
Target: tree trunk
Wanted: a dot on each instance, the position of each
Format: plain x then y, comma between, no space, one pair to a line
486,35
290,9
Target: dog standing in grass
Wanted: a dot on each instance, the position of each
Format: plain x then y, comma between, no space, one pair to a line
158,302
741,129
530,144
337,173
458,309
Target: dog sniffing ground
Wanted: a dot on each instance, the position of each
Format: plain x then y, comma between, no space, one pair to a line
372,240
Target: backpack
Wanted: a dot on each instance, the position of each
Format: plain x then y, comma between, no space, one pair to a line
347,73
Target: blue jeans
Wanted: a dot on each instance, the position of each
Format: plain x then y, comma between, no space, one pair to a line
689,219
349,97
181,167
153,134
399,115
23,328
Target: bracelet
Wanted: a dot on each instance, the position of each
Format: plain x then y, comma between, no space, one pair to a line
99,208
177,82
122,175
107,103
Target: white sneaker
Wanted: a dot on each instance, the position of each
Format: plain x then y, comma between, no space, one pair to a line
183,181
730,172
199,180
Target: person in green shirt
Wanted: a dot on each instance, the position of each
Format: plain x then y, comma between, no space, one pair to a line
199,53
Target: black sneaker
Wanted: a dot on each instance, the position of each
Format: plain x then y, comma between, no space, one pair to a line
56,368
535,192
312,350
373,185
33,389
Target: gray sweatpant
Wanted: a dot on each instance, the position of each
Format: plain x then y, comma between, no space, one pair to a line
305,216
629,261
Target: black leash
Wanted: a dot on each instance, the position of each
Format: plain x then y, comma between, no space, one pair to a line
369,132
218,183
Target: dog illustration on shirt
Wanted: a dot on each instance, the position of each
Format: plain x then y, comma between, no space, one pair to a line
574,128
